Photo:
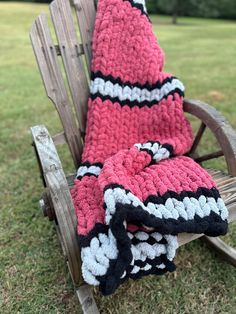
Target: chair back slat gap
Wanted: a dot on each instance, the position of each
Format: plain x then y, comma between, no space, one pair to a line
70,50
46,57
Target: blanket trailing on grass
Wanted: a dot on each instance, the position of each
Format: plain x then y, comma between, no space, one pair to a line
135,190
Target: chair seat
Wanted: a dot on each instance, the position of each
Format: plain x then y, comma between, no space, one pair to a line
227,188
226,185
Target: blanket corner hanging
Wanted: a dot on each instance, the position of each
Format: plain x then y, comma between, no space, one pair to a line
135,190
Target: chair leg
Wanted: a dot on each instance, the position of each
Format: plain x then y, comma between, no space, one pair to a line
226,251
86,299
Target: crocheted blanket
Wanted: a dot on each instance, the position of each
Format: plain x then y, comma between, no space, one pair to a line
135,190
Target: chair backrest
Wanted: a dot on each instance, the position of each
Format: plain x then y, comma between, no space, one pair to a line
71,103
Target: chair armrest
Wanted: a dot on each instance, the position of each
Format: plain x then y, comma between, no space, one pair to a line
58,188
219,126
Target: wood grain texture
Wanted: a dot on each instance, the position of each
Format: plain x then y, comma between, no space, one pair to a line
210,156
219,126
85,12
74,68
225,251
61,198
53,81
86,299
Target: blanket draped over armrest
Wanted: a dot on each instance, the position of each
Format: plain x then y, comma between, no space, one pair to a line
135,190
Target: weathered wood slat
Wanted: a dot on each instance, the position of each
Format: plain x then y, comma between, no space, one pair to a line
85,12
80,50
46,56
61,198
215,173
226,251
209,156
86,299
74,68
224,181
90,11
65,214
229,186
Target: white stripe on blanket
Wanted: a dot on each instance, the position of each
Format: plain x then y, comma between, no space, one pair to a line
172,208
125,92
103,248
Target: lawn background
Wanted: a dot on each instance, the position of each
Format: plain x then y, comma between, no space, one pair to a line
33,277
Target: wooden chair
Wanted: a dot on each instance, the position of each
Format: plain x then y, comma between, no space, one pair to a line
56,201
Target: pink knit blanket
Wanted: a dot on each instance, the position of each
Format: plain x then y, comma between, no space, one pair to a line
136,190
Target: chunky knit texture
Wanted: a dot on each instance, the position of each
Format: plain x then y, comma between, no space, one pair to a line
135,191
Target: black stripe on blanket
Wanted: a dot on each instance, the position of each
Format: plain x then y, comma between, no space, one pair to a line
202,211
149,87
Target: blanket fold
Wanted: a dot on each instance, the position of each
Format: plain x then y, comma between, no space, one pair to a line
135,190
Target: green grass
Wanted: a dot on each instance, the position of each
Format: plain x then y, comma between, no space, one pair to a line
33,276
